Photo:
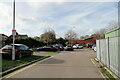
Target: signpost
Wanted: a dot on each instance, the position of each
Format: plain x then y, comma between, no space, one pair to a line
13,32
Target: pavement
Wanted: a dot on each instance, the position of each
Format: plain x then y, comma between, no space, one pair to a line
66,64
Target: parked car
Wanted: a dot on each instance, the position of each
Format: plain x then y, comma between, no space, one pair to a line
60,46
21,50
80,47
89,45
69,48
77,46
48,48
94,47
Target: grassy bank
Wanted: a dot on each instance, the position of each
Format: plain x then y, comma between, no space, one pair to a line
8,64
104,71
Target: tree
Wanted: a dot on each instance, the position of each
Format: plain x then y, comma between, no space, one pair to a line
37,38
99,34
112,25
30,42
48,37
70,35
82,37
61,41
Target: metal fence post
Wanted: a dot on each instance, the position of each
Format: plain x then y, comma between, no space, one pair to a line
108,53
100,50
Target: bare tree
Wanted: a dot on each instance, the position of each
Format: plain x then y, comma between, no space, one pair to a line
99,34
112,25
82,37
70,35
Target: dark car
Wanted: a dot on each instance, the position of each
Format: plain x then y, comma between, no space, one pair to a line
48,48
69,48
21,50
60,46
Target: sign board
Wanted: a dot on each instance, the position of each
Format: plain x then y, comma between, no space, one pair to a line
13,32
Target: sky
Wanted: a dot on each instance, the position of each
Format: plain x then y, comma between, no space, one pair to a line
35,17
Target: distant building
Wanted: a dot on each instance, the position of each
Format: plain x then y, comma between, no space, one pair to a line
3,38
84,41
113,33
18,35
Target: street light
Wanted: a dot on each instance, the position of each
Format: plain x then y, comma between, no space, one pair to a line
13,32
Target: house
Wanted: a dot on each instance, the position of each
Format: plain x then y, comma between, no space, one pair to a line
113,33
3,38
18,35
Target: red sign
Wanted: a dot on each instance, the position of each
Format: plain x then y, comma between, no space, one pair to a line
13,30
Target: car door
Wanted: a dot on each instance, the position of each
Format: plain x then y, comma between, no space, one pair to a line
22,50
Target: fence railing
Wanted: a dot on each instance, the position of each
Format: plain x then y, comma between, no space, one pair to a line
108,52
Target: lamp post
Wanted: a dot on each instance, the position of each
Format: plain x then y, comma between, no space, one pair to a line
13,32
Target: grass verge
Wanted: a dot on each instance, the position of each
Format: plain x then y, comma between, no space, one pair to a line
104,71
8,64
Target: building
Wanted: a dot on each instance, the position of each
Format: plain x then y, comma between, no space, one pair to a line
84,41
18,35
3,38
113,33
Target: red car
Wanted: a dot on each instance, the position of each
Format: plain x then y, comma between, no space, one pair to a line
89,45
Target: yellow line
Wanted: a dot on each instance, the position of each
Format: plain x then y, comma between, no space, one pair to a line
93,61
18,71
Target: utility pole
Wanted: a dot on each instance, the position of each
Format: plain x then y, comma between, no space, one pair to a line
13,32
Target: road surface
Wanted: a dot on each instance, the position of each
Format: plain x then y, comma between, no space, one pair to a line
67,64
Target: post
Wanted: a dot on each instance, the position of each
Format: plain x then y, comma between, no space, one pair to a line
13,32
108,53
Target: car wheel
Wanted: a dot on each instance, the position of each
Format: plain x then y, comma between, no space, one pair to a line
30,54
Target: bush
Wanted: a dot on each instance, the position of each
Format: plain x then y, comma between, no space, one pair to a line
30,42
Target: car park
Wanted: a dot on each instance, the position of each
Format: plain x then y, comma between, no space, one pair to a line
21,50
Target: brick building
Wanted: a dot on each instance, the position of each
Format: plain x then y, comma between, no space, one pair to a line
84,41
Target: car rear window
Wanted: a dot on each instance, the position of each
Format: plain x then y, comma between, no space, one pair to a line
7,47
10,47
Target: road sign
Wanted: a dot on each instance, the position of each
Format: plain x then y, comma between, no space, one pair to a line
13,32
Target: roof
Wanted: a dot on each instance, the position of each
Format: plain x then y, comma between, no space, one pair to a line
4,35
112,30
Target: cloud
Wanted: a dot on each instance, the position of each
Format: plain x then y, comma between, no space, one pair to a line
5,18
61,1
35,18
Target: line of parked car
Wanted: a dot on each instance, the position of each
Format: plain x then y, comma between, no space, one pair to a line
22,50
90,45
60,47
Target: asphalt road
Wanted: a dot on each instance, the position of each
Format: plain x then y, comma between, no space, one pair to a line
67,64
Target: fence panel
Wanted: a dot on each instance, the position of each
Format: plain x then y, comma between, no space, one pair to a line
119,56
0,56
108,52
98,49
113,51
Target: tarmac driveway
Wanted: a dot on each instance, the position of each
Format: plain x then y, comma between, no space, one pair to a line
67,64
